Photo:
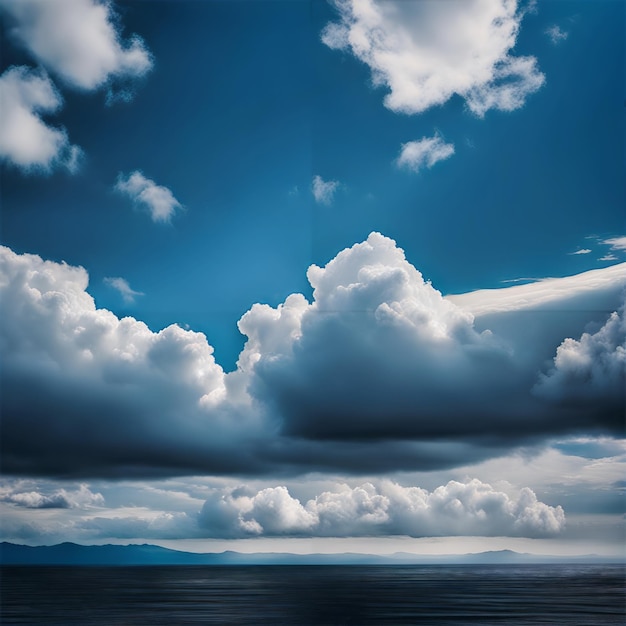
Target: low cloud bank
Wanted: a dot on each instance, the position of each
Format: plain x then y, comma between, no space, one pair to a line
379,372
472,508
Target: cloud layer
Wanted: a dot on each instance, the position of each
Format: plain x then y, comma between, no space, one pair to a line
472,508
158,200
426,52
378,372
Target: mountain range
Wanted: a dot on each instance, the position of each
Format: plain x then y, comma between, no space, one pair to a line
145,554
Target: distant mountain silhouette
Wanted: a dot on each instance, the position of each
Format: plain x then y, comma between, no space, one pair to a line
145,554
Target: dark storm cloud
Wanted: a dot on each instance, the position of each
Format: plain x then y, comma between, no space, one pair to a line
379,373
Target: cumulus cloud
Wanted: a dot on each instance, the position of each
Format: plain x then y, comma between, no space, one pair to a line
415,155
82,497
471,508
324,190
100,392
158,200
121,285
381,354
78,40
426,52
25,139
556,35
590,373
378,372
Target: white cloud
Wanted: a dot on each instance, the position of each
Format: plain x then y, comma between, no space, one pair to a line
415,155
82,498
582,251
397,360
590,371
556,35
549,293
159,200
97,382
471,508
121,285
608,257
616,243
378,372
324,190
78,40
25,139
426,52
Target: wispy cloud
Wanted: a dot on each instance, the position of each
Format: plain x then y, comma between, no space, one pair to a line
415,155
425,52
616,243
581,251
324,190
26,140
159,200
122,286
58,499
608,257
556,35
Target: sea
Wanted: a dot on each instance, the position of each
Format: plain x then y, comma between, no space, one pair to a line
295,595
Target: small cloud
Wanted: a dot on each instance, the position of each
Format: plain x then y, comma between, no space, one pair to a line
122,286
582,251
522,280
159,200
616,243
59,499
324,190
608,257
556,35
294,191
415,155
26,140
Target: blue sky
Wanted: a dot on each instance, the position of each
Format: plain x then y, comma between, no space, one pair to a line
207,153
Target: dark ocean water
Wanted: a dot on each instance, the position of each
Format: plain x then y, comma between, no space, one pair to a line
587,595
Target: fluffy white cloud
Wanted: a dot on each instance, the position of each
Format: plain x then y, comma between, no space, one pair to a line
79,382
425,52
381,354
378,372
25,139
556,35
590,372
471,508
324,190
415,155
78,40
82,497
121,285
159,200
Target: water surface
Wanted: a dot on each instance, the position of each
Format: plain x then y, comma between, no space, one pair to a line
586,595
